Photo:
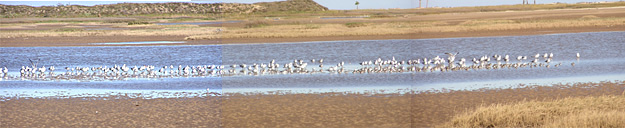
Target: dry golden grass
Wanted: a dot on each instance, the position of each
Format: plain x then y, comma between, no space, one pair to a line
194,32
598,111
395,28
590,119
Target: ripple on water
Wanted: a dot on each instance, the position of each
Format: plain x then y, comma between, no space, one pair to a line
601,56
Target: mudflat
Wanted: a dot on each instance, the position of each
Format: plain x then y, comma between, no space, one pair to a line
416,109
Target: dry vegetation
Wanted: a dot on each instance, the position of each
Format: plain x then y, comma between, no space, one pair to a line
394,28
594,112
295,23
261,29
157,9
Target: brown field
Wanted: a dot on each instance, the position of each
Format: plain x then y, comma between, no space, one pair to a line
419,109
297,27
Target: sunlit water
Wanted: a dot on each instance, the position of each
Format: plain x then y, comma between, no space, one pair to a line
602,59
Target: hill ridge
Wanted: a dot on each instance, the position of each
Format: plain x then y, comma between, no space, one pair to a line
11,11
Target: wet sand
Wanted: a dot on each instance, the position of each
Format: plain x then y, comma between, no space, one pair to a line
422,109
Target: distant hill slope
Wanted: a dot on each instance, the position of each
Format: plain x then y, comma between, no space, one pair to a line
9,11
292,5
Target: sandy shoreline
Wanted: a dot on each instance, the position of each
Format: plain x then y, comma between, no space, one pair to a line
424,109
86,41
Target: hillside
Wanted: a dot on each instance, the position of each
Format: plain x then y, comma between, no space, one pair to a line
125,9
292,5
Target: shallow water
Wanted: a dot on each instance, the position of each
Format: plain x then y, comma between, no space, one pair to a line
602,58
602,53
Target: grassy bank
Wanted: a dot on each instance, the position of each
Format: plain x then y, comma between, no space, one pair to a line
395,28
390,13
264,29
588,112
195,32
282,23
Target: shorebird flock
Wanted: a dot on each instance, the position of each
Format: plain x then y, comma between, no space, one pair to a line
298,66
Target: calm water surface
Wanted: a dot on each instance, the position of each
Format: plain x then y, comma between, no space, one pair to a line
603,58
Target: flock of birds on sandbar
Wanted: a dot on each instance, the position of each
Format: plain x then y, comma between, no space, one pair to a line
298,66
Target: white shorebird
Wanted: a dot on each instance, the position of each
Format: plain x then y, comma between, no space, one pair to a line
535,60
162,70
506,58
537,55
42,69
451,56
299,66
5,70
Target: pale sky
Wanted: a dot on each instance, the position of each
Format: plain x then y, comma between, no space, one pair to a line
331,4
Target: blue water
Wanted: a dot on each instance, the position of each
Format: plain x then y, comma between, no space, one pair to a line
602,58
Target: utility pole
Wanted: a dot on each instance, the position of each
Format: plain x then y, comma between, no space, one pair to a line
419,3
